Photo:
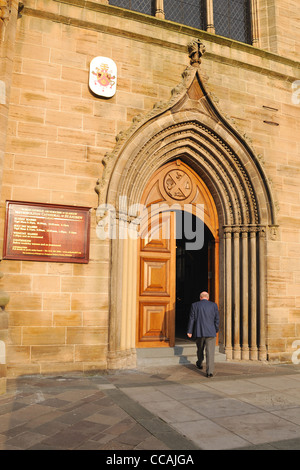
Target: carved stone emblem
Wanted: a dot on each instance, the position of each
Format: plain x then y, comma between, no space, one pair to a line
103,76
178,185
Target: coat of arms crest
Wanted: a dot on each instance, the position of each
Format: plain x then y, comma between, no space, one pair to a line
103,76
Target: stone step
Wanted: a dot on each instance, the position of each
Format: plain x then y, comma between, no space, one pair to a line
183,353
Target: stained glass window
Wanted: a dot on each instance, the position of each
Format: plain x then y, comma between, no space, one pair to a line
232,19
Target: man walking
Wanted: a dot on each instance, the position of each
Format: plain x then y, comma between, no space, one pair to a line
204,322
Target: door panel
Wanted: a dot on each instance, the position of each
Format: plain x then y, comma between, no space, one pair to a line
155,276
156,237
154,325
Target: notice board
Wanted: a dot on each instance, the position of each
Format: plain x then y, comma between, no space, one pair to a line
46,232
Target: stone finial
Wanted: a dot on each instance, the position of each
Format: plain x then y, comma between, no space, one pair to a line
196,50
5,10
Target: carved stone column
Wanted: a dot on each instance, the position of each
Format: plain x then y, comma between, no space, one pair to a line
122,320
228,293
210,17
262,352
129,295
132,304
254,24
236,295
245,271
115,307
253,298
159,11
125,280
245,296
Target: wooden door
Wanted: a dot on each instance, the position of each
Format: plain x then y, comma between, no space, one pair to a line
156,299
174,183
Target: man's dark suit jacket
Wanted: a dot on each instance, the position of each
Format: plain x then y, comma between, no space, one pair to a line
204,319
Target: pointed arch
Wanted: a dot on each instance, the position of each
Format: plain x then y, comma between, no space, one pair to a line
190,127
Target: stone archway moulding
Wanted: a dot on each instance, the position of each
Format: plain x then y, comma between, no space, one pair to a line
190,127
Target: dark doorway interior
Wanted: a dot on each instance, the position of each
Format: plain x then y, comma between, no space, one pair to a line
192,270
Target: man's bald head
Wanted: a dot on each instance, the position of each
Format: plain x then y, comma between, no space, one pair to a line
204,295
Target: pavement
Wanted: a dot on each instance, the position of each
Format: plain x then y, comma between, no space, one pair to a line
244,406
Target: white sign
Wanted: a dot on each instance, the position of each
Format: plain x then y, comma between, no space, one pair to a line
103,76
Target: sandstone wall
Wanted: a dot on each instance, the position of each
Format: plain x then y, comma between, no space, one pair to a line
58,134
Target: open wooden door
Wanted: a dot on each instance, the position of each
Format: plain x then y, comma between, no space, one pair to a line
156,299
173,187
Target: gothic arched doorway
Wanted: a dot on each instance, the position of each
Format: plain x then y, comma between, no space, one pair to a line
190,128
178,252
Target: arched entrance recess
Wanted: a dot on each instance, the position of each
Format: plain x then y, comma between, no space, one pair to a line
173,199
190,127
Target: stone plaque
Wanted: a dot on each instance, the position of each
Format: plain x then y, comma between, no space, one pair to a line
46,232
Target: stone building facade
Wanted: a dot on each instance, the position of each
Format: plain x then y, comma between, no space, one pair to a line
221,112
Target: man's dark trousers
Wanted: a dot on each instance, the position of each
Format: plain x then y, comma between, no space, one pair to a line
208,344
204,325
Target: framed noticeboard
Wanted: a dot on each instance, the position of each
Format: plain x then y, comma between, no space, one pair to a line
46,232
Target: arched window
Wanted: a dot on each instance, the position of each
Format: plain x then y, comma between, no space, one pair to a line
232,19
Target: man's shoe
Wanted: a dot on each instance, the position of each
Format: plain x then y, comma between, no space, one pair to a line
199,365
209,375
